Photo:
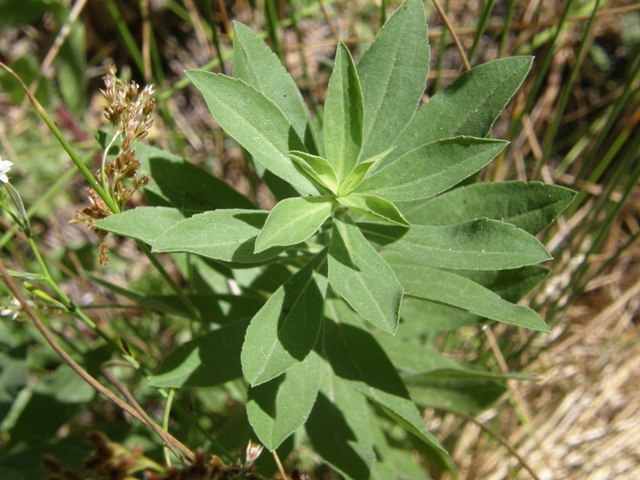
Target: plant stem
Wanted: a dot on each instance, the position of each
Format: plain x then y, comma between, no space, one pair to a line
86,376
456,40
165,423
63,141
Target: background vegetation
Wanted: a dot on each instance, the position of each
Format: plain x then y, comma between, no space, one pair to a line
574,123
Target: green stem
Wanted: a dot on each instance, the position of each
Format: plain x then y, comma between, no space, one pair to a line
63,141
103,163
482,24
76,311
128,39
165,423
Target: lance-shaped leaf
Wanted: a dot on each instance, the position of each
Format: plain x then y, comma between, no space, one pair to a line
359,172
317,169
431,168
143,223
277,408
293,221
481,244
374,207
227,235
468,106
207,361
356,357
179,183
531,206
256,64
286,328
393,73
339,428
343,114
512,285
255,122
363,278
451,289
421,316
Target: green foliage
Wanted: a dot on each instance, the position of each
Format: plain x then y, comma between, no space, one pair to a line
315,316
378,153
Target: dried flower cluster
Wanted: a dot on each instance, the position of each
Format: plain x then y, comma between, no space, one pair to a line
129,109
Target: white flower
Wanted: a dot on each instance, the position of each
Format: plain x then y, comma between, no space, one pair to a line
5,166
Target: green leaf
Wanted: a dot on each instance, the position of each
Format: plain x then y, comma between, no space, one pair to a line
143,223
317,168
469,106
286,328
481,244
293,221
461,396
356,357
209,360
393,73
343,114
531,206
227,235
451,289
277,408
256,64
339,428
363,278
214,308
512,285
418,362
255,122
360,171
421,317
374,207
432,168
178,183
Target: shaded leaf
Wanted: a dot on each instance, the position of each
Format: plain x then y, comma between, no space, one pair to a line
363,278
356,357
340,430
451,289
210,306
421,317
286,328
512,285
278,407
178,183
209,360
